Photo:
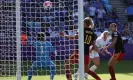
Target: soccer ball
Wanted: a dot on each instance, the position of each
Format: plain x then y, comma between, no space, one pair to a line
47,5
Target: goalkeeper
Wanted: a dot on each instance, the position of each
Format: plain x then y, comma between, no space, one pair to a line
43,60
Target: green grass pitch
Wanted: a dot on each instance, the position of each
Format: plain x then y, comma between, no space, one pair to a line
124,71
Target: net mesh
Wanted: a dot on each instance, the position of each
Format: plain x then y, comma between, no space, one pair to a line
7,39
36,17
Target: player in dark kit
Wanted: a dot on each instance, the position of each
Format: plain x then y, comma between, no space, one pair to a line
119,52
89,39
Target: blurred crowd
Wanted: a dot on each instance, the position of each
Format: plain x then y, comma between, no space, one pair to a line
63,16
129,15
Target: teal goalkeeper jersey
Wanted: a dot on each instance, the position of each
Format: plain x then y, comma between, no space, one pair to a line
43,50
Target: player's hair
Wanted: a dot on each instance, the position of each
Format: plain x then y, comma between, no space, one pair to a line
113,24
89,22
41,36
102,35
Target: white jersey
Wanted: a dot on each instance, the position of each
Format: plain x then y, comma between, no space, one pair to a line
100,13
100,43
92,11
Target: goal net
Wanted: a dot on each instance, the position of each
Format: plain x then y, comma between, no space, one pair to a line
29,57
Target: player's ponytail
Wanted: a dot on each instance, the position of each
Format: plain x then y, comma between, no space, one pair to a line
89,22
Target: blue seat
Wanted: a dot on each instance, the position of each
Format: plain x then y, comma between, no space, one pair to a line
108,8
106,2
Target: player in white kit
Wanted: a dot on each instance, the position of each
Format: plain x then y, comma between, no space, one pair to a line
101,41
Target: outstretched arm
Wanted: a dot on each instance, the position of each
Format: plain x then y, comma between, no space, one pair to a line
112,43
68,36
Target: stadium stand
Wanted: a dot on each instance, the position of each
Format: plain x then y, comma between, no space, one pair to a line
28,22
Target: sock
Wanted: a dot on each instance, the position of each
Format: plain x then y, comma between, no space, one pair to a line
52,72
94,75
86,76
68,75
76,75
30,73
68,72
93,68
112,72
77,72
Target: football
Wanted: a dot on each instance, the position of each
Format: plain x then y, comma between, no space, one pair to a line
47,5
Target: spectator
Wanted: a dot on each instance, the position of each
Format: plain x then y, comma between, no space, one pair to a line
120,27
98,3
92,11
115,15
24,39
86,7
100,15
129,12
125,31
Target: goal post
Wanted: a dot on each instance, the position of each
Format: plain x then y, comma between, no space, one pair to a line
22,20
81,39
18,40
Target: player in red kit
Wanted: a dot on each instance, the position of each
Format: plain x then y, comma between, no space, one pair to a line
119,52
89,39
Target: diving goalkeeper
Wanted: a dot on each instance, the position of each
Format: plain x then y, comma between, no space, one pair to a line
43,60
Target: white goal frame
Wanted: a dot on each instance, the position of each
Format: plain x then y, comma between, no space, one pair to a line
81,39
18,40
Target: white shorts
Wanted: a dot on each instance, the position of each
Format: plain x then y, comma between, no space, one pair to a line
94,54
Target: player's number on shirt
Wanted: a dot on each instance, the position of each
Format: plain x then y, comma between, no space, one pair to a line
87,39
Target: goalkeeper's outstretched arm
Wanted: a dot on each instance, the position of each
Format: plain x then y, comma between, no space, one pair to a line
68,36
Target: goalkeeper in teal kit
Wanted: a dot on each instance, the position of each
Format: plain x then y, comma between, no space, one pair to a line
43,60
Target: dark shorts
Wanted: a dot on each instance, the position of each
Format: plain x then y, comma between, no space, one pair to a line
130,18
119,56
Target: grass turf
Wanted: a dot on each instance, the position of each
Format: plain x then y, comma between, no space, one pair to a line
124,71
